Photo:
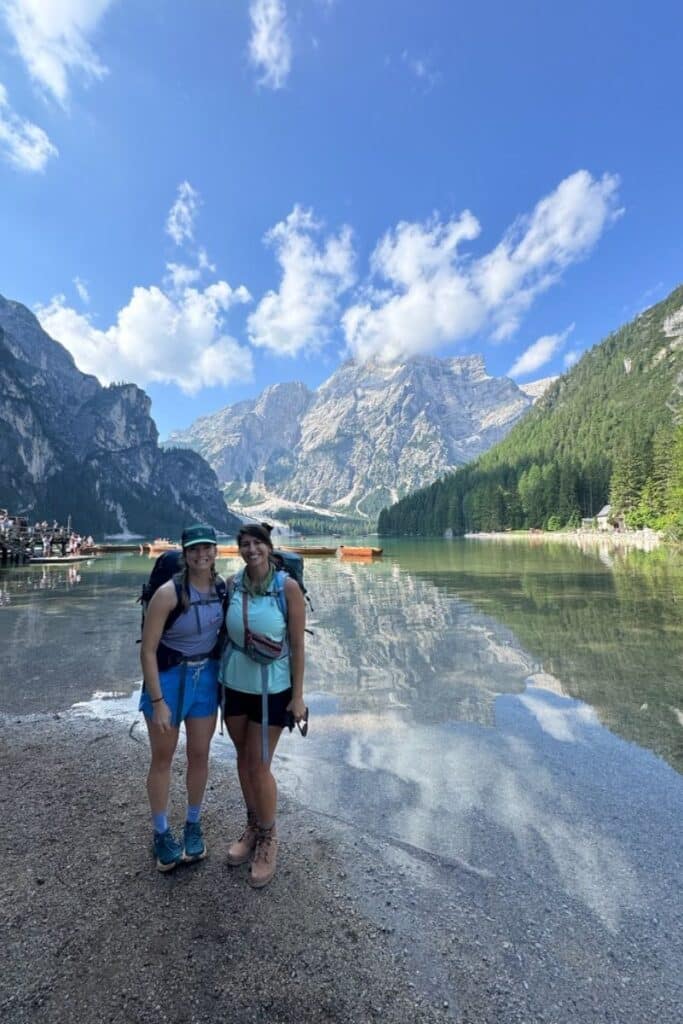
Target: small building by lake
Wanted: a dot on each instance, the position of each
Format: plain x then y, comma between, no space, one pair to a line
603,518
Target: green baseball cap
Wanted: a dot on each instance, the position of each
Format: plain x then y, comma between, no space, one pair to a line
198,533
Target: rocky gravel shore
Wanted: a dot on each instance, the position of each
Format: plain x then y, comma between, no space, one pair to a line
92,932
357,926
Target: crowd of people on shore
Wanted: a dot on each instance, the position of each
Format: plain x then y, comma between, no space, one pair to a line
20,540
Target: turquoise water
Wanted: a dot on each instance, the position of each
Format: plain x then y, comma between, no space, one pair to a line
504,715
433,632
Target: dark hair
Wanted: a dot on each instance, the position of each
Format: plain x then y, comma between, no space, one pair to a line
255,530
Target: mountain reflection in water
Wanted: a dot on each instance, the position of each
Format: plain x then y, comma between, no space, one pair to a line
441,630
431,633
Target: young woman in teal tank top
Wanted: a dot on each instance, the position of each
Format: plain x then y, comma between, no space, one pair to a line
242,682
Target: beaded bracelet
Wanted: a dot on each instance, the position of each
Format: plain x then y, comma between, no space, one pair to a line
156,700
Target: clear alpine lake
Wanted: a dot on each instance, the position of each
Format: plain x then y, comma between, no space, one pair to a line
436,635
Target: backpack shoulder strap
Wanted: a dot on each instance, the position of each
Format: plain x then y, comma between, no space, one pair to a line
176,611
231,585
280,580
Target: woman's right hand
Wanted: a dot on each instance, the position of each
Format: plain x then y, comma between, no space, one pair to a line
161,715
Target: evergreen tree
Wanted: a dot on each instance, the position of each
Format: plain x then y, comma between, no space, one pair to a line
674,490
530,490
662,467
628,479
567,501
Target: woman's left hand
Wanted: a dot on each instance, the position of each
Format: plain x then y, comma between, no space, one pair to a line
297,707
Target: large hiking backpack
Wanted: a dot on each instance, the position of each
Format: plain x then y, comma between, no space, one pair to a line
292,563
165,568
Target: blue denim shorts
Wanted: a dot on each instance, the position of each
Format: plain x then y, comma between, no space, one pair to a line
195,696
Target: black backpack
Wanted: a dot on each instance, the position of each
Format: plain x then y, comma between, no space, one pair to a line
292,563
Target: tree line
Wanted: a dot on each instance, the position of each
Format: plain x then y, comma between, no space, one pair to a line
644,487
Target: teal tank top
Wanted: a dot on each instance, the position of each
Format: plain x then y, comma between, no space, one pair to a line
238,671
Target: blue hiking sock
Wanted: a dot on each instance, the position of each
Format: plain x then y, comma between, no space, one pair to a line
160,822
193,812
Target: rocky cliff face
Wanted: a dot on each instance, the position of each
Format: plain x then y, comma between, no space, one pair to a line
250,445
70,446
369,435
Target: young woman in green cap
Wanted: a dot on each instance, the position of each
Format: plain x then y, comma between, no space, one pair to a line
180,670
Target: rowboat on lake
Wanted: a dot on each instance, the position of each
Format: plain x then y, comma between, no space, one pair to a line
346,552
157,547
306,552
108,549
59,559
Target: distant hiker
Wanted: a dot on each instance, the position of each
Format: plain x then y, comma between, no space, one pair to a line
262,675
179,658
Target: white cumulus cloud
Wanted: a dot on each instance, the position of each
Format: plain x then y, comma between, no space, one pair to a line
302,314
181,275
177,339
423,70
431,294
52,39
270,47
563,228
82,289
429,301
24,144
183,214
540,353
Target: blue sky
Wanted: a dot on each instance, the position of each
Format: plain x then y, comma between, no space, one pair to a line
208,197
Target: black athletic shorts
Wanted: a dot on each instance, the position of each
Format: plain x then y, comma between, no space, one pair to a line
237,703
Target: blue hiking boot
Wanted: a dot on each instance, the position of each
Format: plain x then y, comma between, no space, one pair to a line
167,850
193,841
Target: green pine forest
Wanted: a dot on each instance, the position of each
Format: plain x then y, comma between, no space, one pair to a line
608,431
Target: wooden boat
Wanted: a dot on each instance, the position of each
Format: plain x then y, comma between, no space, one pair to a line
347,552
112,548
157,547
316,551
59,559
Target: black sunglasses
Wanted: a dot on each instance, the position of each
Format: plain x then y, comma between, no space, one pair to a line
302,724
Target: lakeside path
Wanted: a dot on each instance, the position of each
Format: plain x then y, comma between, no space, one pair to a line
356,926
588,540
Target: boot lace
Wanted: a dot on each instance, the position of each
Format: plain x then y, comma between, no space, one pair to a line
265,846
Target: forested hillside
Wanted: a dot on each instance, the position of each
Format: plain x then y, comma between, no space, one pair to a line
610,430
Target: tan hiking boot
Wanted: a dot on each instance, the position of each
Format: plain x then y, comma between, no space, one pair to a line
241,850
264,859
